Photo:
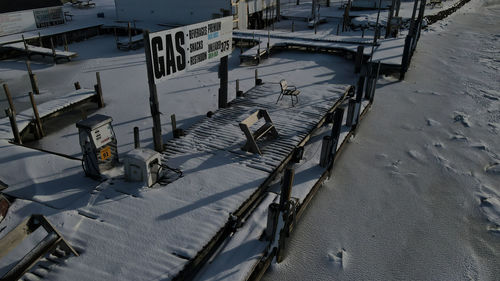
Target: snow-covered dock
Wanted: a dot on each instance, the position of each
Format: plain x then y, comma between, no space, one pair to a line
388,51
45,110
283,39
31,50
195,213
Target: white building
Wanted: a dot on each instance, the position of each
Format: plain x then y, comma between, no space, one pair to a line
23,15
185,12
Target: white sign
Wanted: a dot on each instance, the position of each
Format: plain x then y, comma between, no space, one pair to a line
102,135
176,50
17,22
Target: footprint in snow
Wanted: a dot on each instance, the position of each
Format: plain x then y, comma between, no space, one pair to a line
432,122
493,168
480,146
338,258
462,118
416,155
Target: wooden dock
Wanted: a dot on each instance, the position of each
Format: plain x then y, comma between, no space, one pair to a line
31,50
25,119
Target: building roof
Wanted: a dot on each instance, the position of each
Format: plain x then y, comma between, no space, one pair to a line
21,5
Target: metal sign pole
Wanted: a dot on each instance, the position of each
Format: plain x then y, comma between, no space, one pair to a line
153,96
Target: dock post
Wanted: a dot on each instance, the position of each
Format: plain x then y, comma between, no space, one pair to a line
26,47
272,221
65,42
53,50
98,89
286,187
406,57
223,76
40,39
37,116
257,80
359,59
137,142
153,97
15,131
338,27
77,85
293,26
175,132
362,33
239,93
286,211
33,81
129,34
337,125
9,97
325,148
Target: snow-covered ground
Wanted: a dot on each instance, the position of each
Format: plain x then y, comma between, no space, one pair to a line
415,196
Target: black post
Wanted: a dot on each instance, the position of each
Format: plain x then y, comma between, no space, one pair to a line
359,59
286,187
338,115
153,96
137,141
406,57
223,75
412,21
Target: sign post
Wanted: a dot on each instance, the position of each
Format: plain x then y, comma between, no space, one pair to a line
174,51
153,97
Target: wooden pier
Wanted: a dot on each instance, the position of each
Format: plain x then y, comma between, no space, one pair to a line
30,50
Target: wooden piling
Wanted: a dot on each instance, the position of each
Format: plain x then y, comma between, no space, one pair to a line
77,85
224,76
174,126
98,89
9,97
325,149
65,42
137,142
53,49
359,59
129,33
40,40
239,93
338,27
338,115
257,80
286,187
26,47
293,26
37,116
33,80
272,221
15,131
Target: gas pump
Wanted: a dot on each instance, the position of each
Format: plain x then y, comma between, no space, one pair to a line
98,143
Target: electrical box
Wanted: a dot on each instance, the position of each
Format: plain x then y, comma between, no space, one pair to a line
144,165
98,143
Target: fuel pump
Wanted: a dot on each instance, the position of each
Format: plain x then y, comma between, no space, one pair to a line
98,143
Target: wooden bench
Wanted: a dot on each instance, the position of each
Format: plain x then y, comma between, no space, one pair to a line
288,90
267,129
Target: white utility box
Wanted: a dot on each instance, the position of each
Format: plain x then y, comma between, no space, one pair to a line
144,165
